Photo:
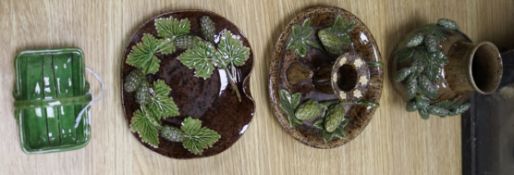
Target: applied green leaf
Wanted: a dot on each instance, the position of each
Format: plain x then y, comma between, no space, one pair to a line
199,58
289,100
288,103
142,55
146,127
339,132
197,138
302,36
166,46
231,50
161,103
318,124
171,27
342,26
336,37
309,110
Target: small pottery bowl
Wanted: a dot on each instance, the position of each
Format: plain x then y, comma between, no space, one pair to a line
325,77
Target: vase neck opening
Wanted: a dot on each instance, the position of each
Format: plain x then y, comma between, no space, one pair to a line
485,68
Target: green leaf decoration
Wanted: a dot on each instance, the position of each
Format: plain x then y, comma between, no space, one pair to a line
199,58
438,111
171,27
426,87
461,108
342,26
424,113
231,50
411,86
338,133
411,106
431,43
327,116
447,23
367,103
404,55
433,73
146,126
332,42
454,106
204,57
318,124
288,103
161,104
155,104
334,117
336,37
167,47
197,138
375,63
422,102
309,110
302,36
403,73
415,40
142,55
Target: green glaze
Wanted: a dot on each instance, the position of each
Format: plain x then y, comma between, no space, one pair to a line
50,91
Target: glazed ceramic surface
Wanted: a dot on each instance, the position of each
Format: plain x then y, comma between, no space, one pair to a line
348,74
437,68
211,99
50,92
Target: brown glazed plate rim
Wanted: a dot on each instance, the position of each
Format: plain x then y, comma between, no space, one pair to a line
226,98
276,82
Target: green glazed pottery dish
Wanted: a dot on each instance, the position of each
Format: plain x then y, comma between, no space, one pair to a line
51,95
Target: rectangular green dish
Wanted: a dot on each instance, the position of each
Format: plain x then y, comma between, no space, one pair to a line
50,91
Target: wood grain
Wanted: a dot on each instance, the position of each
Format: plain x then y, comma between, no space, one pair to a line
395,142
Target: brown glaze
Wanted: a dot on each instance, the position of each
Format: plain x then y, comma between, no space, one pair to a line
211,100
462,76
318,86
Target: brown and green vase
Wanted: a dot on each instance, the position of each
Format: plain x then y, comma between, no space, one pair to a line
325,77
437,68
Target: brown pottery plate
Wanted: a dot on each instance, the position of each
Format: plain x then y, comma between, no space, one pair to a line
355,74
211,100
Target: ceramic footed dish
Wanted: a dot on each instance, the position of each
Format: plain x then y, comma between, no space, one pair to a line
325,77
186,84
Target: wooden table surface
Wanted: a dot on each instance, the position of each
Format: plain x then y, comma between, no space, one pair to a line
395,142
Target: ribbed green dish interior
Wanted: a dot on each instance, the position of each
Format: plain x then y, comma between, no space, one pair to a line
50,91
